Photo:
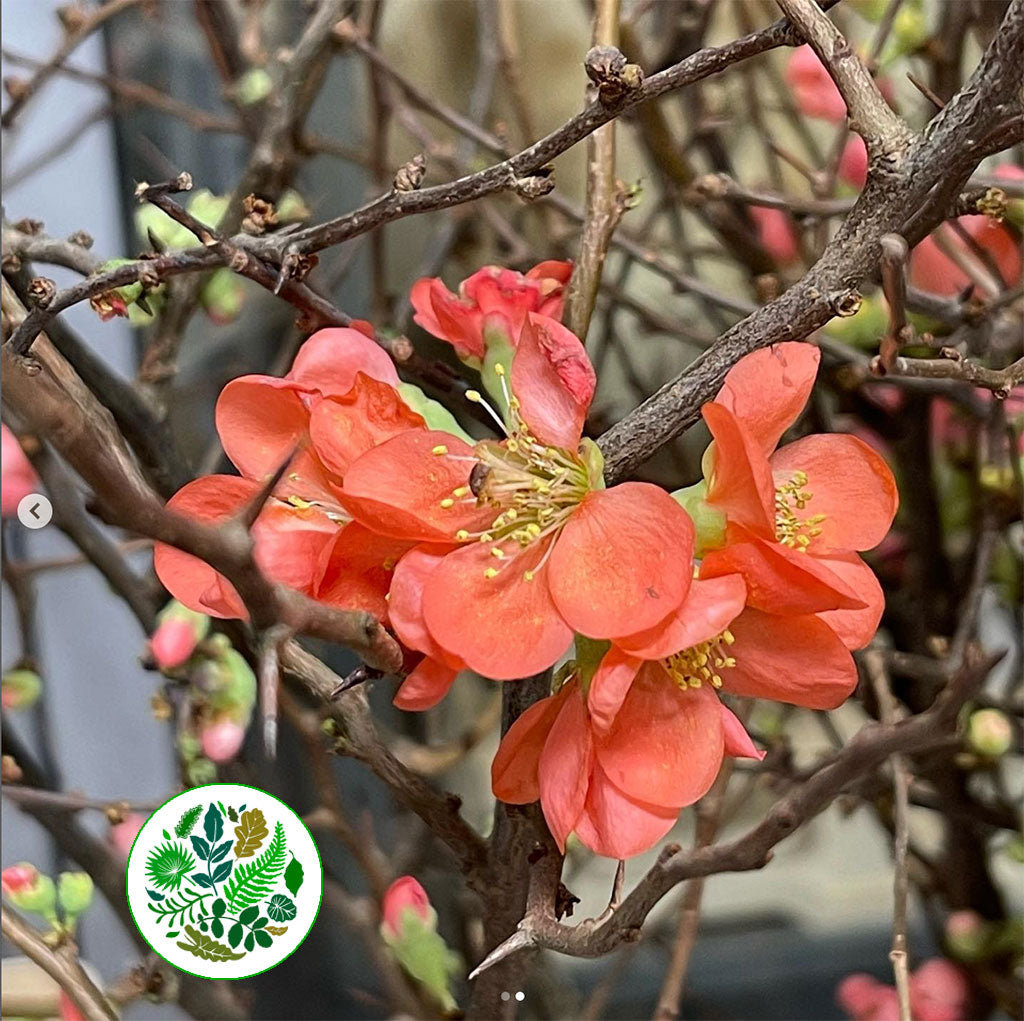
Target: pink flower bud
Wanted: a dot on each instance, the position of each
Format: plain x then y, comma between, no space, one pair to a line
404,894
222,740
122,835
853,164
17,476
963,923
989,733
172,643
775,231
18,878
68,1010
866,999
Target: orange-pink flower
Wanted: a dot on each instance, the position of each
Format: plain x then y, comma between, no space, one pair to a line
339,399
544,548
492,299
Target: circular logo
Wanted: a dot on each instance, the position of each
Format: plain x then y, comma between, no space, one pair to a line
224,881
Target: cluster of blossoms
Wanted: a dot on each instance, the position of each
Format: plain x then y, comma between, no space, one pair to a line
509,556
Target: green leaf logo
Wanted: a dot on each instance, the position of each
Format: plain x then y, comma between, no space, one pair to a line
168,865
213,823
251,833
188,821
254,880
206,947
280,908
293,876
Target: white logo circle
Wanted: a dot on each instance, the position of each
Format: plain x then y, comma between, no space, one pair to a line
35,510
224,881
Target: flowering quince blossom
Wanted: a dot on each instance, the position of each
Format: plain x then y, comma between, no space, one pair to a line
620,749
491,306
524,544
340,398
795,517
939,991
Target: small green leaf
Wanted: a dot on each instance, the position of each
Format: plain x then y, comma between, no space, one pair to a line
206,947
213,824
188,820
235,934
221,850
217,928
293,876
167,835
259,923
249,914
218,907
263,938
222,871
250,942
201,847
280,908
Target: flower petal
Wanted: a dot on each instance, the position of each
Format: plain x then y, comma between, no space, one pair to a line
448,317
356,569
260,421
396,488
345,426
425,686
780,579
616,825
609,687
514,777
505,626
564,766
405,602
855,628
553,380
706,612
768,388
329,360
289,544
737,741
740,483
622,562
192,581
851,485
666,745
789,659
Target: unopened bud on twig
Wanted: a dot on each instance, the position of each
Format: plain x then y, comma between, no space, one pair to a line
259,215
81,238
535,185
410,175
41,291
613,75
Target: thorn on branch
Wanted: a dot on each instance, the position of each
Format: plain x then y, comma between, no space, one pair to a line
521,939
614,76
410,175
360,675
16,88
252,510
894,285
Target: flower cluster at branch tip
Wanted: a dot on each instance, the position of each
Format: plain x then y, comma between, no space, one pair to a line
509,555
59,904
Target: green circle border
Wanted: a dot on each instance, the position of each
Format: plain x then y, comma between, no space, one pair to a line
225,978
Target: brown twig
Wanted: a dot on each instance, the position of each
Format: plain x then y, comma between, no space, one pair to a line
61,964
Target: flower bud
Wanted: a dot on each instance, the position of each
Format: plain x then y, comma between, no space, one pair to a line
221,741
967,935
409,929
201,771
405,895
116,301
28,889
178,631
853,163
989,733
74,892
776,233
122,835
228,683
253,87
1014,207
20,689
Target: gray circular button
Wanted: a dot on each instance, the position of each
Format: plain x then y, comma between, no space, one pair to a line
35,511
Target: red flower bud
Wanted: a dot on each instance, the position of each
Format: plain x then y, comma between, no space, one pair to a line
401,895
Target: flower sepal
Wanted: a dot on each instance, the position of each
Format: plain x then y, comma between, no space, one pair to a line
709,522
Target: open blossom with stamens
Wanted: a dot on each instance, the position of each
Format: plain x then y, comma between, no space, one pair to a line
616,755
795,517
543,548
491,305
339,399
